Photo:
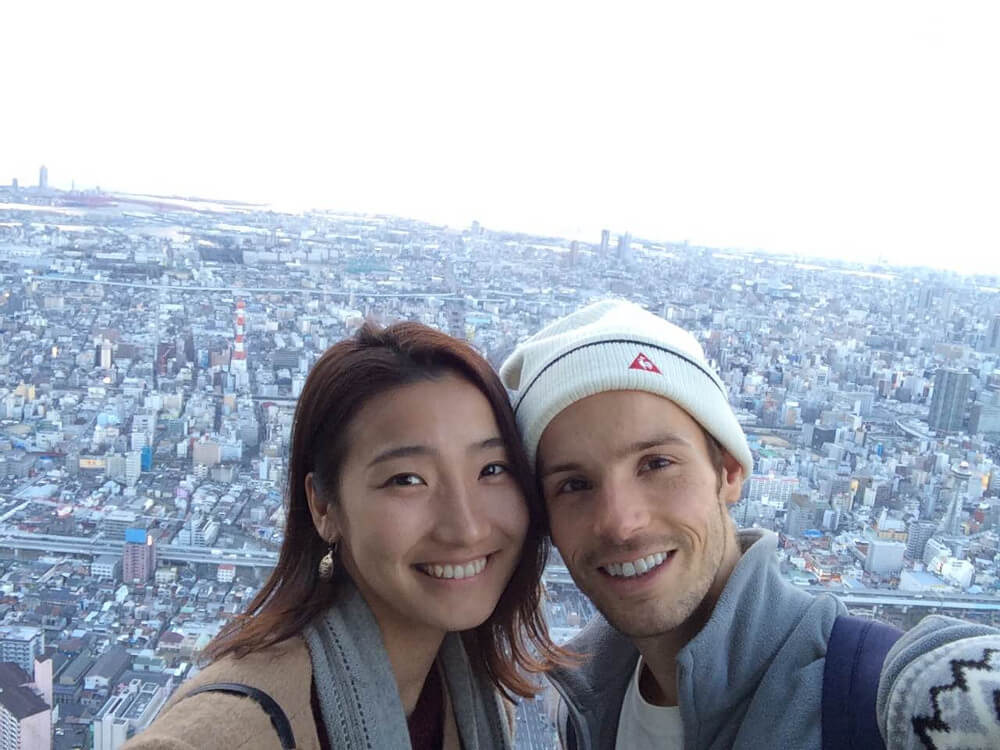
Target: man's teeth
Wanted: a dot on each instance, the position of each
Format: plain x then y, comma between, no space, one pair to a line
636,567
455,571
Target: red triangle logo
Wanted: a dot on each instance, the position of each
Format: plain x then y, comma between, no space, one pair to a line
642,362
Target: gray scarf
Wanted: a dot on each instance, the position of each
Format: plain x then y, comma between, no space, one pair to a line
357,689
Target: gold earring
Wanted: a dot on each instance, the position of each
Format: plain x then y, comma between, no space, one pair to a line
327,563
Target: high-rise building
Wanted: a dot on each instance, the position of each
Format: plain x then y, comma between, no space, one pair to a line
625,248
139,558
991,342
25,716
605,241
801,515
951,522
918,534
21,644
43,178
951,391
104,355
884,558
133,467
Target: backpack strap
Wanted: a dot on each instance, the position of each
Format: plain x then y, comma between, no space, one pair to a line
854,658
277,715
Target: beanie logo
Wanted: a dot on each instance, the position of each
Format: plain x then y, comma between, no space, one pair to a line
642,362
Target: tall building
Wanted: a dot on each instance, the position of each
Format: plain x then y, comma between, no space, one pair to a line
951,391
605,241
21,645
133,467
25,717
625,248
991,342
951,522
801,515
919,533
884,558
128,712
43,178
139,558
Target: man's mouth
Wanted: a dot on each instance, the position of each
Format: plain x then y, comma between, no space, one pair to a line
638,567
454,570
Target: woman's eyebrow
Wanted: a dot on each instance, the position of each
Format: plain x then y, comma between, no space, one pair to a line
404,451
401,451
488,444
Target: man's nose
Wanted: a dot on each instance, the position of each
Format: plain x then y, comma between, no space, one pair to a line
619,514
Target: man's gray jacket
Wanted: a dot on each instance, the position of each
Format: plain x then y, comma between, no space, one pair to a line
753,676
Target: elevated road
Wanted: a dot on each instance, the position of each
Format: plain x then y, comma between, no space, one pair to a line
862,598
253,289
97,547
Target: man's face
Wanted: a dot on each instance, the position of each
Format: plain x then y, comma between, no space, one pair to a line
637,509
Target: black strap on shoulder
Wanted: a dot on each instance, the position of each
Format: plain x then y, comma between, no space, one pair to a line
854,658
278,718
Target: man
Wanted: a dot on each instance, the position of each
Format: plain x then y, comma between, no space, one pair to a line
702,642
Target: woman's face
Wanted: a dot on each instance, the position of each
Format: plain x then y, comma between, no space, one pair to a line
429,518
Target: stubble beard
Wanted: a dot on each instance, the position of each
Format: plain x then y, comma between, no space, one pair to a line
658,617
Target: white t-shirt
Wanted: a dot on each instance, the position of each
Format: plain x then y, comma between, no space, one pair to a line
643,726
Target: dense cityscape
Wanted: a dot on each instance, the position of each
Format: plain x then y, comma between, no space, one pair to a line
152,349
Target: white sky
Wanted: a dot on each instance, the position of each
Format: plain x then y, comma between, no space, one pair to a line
858,128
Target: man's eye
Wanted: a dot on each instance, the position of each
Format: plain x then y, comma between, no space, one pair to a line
404,480
572,485
654,463
493,470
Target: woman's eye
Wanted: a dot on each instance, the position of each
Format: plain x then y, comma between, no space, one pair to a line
493,470
405,480
654,463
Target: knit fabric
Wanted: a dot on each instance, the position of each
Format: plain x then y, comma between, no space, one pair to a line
948,696
357,690
614,345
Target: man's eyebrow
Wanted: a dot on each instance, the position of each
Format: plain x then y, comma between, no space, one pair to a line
666,438
558,469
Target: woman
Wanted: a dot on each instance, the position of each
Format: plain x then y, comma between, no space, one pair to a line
404,606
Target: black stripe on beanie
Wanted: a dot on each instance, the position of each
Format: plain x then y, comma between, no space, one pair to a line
649,344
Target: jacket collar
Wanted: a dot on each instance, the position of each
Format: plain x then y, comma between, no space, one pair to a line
757,610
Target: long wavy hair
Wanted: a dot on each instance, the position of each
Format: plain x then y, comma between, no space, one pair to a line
514,641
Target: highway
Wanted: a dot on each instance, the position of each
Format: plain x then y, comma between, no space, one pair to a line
172,552
254,289
554,573
862,597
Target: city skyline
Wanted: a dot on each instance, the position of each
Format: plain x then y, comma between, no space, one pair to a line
863,132
152,353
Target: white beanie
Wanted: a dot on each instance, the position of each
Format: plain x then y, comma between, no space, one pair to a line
615,345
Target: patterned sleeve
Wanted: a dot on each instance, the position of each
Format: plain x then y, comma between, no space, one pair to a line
940,687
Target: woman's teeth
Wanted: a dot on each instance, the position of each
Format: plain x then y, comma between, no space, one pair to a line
455,571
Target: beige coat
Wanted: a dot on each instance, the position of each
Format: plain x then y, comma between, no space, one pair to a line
219,721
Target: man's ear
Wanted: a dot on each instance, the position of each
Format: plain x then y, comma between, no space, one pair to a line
731,479
321,510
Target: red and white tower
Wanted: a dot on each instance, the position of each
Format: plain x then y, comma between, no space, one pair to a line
239,359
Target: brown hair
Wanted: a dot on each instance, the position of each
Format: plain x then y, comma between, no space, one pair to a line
514,639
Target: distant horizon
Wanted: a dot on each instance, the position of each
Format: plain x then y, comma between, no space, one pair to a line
264,204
